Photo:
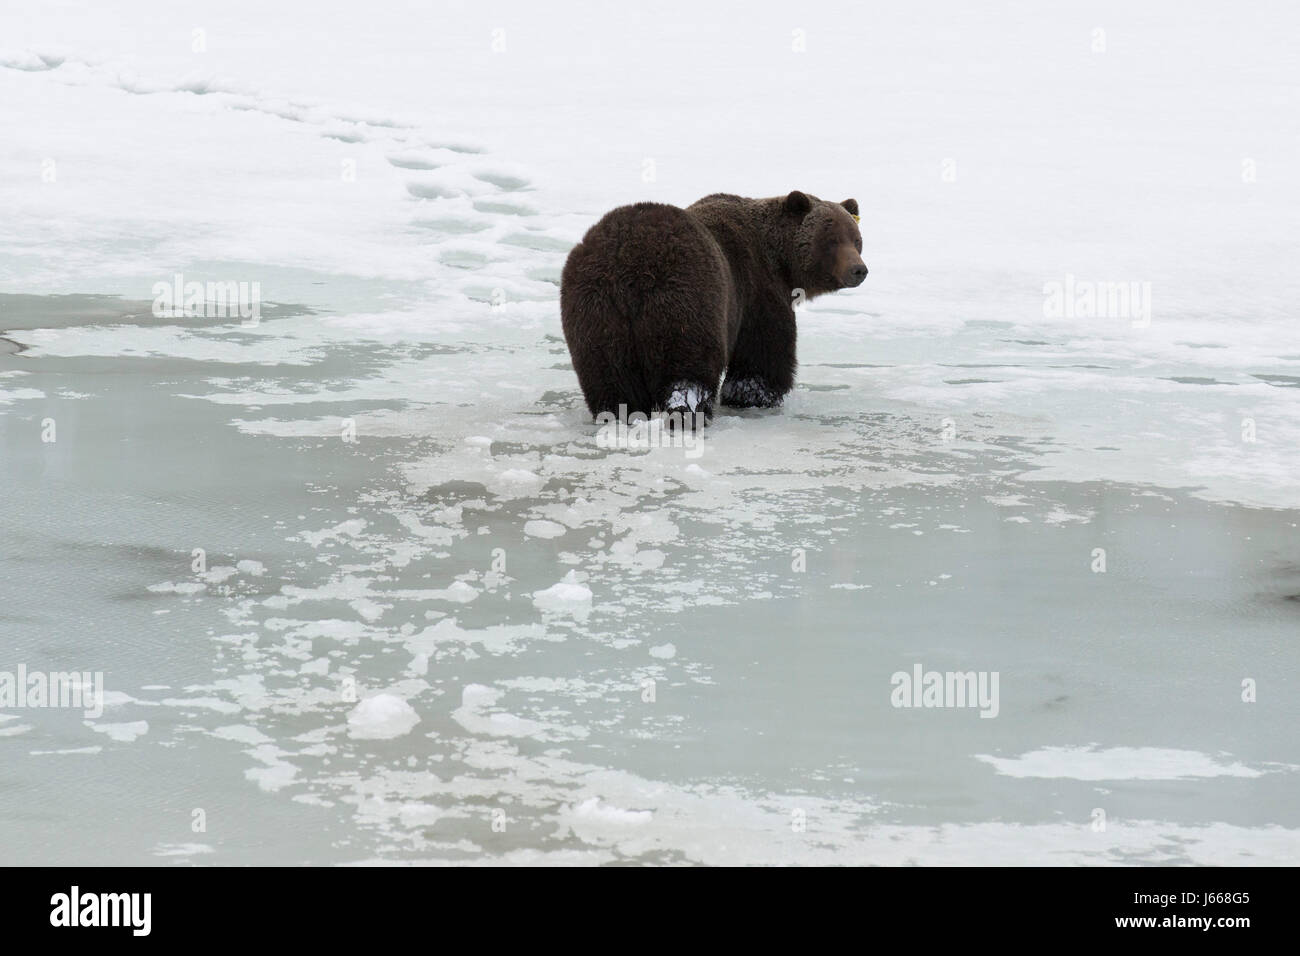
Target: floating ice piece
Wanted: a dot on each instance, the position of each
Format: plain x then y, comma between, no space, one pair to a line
241,733
381,717
566,597
1116,763
123,733
458,591
594,810
495,639
185,587
181,849
516,481
350,529
473,714
543,529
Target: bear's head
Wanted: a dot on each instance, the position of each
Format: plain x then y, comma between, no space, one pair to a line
826,250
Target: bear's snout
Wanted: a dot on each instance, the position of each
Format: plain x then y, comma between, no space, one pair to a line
856,274
848,269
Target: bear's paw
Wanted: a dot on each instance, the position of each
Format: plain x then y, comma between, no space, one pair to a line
750,393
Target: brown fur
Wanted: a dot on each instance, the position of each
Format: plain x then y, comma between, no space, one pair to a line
657,298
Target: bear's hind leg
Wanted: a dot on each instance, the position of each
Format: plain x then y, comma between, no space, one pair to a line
603,395
688,404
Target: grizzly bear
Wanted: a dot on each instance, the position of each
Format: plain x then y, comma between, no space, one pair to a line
658,302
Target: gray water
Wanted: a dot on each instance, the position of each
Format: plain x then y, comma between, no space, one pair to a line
762,594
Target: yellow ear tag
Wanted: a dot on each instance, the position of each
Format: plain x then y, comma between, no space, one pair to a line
856,218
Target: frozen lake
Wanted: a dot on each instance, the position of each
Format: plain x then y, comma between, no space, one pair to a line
364,585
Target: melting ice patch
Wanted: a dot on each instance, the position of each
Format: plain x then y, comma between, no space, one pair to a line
541,528
1118,763
182,849
124,732
449,637
478,714
10,729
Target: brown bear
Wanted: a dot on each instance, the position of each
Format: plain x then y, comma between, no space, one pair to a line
657,302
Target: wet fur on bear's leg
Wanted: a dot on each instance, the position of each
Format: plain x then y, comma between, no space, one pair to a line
689,404
750,392
762,365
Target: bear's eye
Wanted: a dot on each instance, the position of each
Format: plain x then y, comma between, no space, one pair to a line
857,244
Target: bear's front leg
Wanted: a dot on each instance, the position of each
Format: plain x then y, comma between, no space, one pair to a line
751,392
762,365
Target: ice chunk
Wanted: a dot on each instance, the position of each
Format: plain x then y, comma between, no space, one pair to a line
381,717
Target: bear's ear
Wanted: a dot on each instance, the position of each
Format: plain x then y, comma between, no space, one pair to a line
797,203
851,205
